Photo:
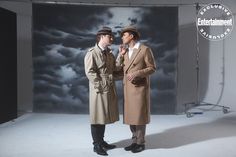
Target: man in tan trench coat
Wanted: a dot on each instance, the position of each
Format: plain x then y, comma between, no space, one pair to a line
100,65
138,65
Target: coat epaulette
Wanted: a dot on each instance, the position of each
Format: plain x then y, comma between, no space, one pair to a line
91,49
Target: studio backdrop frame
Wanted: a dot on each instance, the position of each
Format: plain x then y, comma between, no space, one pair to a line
63,33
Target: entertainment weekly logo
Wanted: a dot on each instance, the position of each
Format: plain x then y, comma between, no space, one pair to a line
215,22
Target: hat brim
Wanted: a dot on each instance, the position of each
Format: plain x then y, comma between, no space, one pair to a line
104,33
131,31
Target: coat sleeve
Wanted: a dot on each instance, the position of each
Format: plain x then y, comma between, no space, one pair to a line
150,64
118,72
91,70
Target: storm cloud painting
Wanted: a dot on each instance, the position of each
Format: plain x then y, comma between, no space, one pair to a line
62,34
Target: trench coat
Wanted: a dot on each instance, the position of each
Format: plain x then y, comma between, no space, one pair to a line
137,93
103,103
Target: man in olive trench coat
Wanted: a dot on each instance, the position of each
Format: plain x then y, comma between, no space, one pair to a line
100,65
138,65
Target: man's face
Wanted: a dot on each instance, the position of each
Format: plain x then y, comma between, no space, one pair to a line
126,38
107,39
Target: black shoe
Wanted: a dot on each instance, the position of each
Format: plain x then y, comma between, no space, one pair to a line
108,146
138,148
130,147
99,150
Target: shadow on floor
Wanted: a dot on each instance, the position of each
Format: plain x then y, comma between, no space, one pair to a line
176,137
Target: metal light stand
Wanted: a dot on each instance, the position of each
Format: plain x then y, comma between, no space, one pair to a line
189,114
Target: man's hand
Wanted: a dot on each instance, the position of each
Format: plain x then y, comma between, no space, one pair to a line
130,77
122,49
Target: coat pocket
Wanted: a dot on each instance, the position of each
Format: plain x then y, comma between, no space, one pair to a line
103,85
97,86
139,81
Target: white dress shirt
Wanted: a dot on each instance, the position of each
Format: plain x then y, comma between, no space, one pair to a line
131,50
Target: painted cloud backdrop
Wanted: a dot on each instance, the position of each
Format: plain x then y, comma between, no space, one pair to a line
62,35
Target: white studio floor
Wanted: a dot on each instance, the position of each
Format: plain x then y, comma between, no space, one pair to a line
212,134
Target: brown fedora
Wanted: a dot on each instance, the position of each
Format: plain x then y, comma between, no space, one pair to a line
131,29
105,30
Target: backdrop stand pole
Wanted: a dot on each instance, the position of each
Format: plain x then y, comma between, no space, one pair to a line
197,102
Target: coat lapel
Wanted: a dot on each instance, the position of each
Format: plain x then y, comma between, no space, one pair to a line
131,60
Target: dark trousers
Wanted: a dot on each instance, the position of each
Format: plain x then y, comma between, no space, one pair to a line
97,132
138,133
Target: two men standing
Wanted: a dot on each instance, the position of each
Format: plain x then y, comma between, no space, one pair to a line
137,63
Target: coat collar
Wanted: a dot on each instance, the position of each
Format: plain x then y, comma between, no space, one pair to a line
100,50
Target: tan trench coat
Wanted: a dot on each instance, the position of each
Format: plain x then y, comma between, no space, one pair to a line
137,96
103,104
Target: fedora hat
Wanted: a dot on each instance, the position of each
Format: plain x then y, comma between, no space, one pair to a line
131,29
105,30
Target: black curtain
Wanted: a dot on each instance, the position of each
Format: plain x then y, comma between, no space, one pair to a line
8,66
